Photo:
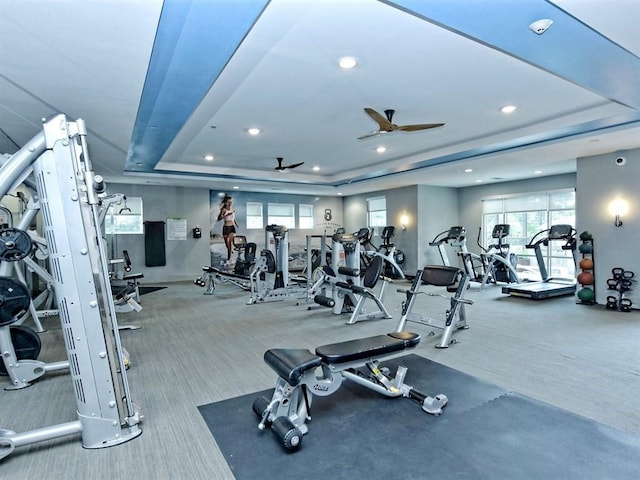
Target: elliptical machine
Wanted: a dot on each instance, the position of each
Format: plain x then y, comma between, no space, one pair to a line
392,256
499,264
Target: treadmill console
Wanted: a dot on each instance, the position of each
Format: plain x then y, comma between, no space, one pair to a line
560,232
456,232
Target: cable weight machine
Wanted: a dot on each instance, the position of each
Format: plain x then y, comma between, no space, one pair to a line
69,193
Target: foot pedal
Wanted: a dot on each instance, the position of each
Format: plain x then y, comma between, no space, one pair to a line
434,405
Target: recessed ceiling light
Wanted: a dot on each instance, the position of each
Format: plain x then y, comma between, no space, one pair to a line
381,149
347,62
468,170
478,181
316,168
235,187
339,193
208,158
508,109
254,131
537,172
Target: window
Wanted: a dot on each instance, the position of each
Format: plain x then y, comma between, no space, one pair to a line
254,215
527,215
281,214
305,216
124,218
377,212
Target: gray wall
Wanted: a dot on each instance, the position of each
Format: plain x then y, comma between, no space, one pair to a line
185,258
400,201
599,181
438,210
429,210
296,236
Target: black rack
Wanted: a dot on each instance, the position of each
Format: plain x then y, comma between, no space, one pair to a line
620,281
586,295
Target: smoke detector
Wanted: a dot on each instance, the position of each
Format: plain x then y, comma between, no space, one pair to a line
540,26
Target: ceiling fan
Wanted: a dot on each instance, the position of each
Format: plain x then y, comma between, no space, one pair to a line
284,168
386,124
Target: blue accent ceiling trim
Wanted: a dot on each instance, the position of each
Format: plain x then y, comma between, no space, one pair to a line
194,41
569,48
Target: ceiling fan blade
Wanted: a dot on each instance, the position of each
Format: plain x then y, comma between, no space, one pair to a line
295,165
419,126
379,119
372,134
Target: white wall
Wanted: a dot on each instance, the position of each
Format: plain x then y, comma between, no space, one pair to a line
599,181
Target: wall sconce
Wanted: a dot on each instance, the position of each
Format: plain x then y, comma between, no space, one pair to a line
618,208
403,222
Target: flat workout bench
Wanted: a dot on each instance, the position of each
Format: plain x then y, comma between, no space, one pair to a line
301,372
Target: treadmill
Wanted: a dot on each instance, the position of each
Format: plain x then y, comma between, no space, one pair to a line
549,286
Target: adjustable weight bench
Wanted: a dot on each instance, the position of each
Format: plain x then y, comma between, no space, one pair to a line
302,374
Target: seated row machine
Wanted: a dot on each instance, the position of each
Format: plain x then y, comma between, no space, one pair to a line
456,282
302,374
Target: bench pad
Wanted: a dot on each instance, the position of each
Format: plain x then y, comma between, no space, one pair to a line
369,347
291,363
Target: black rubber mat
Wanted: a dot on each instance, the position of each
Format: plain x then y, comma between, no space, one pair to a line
484,433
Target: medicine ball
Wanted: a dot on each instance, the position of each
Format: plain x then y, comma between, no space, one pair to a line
586,264
586,235
586,295
585,248
586,278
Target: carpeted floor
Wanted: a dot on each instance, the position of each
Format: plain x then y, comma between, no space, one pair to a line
485,432
194,349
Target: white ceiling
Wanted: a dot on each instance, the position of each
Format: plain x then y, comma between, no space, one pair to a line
575,89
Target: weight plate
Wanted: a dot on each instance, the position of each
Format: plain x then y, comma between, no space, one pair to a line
26,344
14,300
14,244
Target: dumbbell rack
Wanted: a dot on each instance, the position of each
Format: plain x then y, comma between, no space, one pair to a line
620,281
586,250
